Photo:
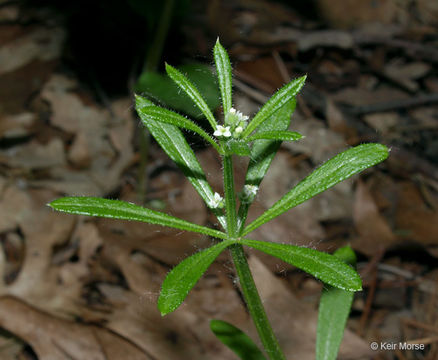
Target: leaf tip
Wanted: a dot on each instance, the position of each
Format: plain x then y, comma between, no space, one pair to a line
54,204
168,67
162,308
141,102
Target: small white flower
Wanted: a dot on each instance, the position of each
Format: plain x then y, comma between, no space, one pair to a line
216,202
237,131
250,190
222,131
248,193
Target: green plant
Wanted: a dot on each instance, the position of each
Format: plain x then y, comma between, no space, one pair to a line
259,139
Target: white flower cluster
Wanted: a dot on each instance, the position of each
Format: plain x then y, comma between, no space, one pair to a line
235,123
217,202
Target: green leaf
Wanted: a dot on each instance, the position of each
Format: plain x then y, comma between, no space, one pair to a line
276,135
181,279
192,92
117,209
263,151
335,170
236,340
334,308
169,117
281,97
223,68
163,89
323,266
175,145
237,147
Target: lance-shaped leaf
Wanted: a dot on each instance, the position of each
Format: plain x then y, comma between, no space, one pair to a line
276,135
335,170
263,151
181,279
223,68
236,340
123,210
175,145
281,97
164,91
192,92
334,308
169,117
323,266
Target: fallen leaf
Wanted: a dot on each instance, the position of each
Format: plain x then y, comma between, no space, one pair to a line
53,338
41,44
325,38
373,230
383,122
13,126
35,156
355,96
416,220
355,13
15,207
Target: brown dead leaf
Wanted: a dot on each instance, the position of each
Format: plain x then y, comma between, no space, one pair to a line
359,96
40,44
101,148
262,73
13,126
355,13
336,120
374,232
405,74
35,156
15,207
58,339
383,122
414,218
79,153
325,38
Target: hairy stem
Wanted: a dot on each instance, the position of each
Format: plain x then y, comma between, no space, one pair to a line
247,284
254,304
230,196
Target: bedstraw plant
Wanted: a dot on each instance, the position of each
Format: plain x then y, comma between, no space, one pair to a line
259,139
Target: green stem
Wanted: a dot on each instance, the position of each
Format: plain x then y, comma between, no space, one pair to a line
230,196
247,284
254,303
